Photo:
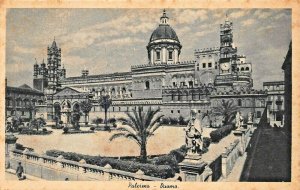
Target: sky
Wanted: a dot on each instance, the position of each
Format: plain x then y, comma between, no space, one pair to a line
112,40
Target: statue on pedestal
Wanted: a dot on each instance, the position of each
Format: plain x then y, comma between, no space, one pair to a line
65,113
250,117
239,120
193,138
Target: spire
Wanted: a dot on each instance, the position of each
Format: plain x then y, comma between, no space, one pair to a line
54,44
164,19
226,19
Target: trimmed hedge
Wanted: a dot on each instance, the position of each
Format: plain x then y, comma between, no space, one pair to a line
220,133
174,121
162,171
164,166
28,131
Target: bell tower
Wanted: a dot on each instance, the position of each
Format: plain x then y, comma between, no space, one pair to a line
53,64
227,51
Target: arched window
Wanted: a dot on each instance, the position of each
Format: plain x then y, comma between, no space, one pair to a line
158,55
233,68
238,69
170,56
179,97
247,68
147,85
239,102
172,97
242,69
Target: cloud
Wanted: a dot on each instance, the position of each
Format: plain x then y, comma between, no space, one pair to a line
122,41
248,22
190,16
202,33
262,13
238,14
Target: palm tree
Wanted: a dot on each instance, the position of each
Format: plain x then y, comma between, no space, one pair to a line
105,103
86,107
227,109
139,127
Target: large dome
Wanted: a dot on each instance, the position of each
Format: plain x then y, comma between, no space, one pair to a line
164,32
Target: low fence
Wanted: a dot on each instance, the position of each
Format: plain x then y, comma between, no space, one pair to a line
59,169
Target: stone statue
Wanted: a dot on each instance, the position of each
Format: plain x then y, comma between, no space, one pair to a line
193,138
250,117
237,120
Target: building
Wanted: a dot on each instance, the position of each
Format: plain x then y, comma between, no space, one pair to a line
165,82
23,101
275,102
287,67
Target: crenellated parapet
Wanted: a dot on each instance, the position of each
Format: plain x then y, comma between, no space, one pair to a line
206,50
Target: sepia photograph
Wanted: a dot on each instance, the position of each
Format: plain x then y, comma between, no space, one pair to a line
168,95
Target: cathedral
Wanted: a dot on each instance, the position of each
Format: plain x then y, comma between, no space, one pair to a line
216,74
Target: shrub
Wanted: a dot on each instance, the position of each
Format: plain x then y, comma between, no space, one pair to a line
66,129
206,142
162,171
168,159
220,133
92,128
97,121
44,130
165,121
21,147
112,120
173,121
181,121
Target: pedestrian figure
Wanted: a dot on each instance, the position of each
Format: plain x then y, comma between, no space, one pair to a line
20,171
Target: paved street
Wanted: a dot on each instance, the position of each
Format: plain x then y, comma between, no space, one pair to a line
268,157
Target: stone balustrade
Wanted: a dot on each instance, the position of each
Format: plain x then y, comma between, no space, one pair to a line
51,168
229,157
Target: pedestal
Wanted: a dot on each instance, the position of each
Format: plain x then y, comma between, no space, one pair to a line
250,126
192,168
10,144
240,134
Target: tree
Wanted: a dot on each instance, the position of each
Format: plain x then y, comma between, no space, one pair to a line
37,123
227,109
86,107
75,117
139,127
105,103
31,108
97,121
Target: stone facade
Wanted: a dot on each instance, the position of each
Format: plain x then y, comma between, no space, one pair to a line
23,101
275,102
165,82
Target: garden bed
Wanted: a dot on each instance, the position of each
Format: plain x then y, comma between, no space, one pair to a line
77,132
162,166
25,131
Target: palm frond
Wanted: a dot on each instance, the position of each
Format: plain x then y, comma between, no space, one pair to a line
126,129
155,121
117,135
